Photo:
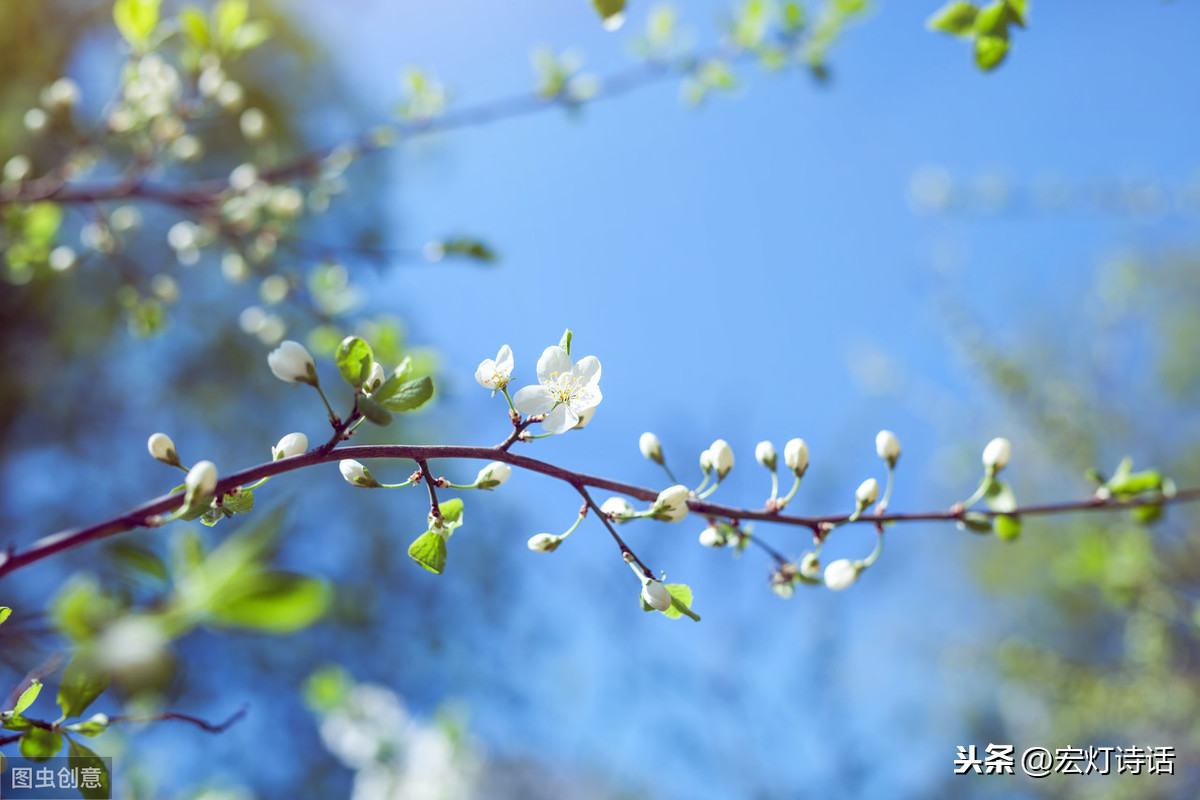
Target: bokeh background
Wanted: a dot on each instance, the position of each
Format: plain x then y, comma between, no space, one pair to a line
911,244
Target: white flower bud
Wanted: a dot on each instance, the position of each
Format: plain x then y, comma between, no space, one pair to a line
493,475
887,446
584,418
357,475
293,444
162,448
544,542
655,594
291,362
841,574
375,379
764,453
810,565
617,507
795,455
722,457
706,462
671,504
866,493
996,454
651,447
711,537
201,479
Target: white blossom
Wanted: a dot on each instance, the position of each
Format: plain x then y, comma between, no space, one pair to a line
291,362
564,390
617,507
162,448
795,455
201,479
493,475
810,565
375,379
651,447
671,504
356,474
584,418
842,574
293,444
655,594
866,493
711,537
495,373
887,446
722,457
764,453
996,454
544,542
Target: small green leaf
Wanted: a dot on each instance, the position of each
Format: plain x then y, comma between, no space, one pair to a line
14,722
83,758
38,744
793,17
94,725
410,395
468,248
1148,513
1000,497
451,509
27,697
195,26
681,601
1134,483
272,602
139,560
239,502
956,17
1008,527
609,9
394,381
992,20
974,521
136,20
429,550
990,51
1018,11
5,611
354,360
81,684
374,411
251,35
228,16
565,341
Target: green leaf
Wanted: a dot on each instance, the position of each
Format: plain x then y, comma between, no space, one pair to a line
251,35
272,602
16,722
82,608
94,725
992,20
136,20
5,611
681,601
956,17
1148,513
136,559
1017,11
394,381
451,509
194,24
565,341
473,249
793,17
1008,527
410,395
81,684
354,360
1134,483
609,9
974,521
429,550
990,51
240,502
83,758
1000,497
27,697
228,16
374,411
327,688
38,744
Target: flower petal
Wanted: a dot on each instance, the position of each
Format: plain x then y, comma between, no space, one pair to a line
485,373
561,419
504,359
554,359
533,400
588,368
589,397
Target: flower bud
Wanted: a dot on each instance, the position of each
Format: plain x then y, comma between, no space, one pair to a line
651,447
291,362
375,379
887,446
722,457
866,493
544,542
357,475
655,594
795,455
996,454
493,475
783,580
764,453
617,507
706,462
201,479
293,444
584,418
711,537
163,449
842,574
810,565
671,504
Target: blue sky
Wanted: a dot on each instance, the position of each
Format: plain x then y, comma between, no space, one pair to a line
741,270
